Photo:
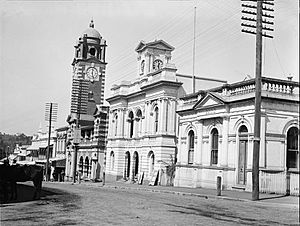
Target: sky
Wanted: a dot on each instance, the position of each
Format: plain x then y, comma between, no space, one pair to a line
37,41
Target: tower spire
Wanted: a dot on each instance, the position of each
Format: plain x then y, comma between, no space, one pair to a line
92,23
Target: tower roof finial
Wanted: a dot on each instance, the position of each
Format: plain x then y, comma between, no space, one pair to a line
92,23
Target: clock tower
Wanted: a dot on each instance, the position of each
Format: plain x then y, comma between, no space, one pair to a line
88,74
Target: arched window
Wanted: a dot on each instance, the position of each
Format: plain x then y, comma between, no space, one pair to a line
116,124
191,145
131,124
292,160
214,146
243,129
156,120
92,51
112,160
139,122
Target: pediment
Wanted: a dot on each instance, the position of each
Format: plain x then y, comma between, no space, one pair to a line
157,44
209,100
140,46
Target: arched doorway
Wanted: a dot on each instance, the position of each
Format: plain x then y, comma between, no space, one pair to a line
87,166
243,151
135,166
127,166
81,165
151,159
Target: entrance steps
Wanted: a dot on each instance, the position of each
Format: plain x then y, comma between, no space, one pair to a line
238,187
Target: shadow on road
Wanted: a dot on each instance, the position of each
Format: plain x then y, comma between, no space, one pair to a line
273,197
25,194
220,214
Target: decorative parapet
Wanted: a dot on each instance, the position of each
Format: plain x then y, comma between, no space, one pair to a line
168,73
268,84
272,88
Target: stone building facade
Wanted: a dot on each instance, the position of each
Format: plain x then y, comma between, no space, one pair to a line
142,118
216,129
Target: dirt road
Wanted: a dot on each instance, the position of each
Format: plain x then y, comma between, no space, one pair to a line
81,204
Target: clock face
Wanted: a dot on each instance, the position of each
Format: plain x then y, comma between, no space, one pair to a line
92,73
157,64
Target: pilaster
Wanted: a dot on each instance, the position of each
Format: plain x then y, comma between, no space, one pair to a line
199,149
224,151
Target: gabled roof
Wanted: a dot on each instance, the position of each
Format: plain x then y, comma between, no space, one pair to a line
209,100
157,44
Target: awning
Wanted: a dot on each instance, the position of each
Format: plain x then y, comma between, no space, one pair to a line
38,145
41,161
58,162
24,155
26,162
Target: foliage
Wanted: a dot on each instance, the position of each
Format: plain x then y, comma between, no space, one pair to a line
8,140
170,170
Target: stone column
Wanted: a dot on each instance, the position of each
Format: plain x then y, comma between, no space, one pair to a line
121,122
179,154
136,126
162,117
150,63
110,128
172,117
146,118
118,128
224,151
262,154
125,133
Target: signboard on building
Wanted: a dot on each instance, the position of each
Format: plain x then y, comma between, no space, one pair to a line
77,136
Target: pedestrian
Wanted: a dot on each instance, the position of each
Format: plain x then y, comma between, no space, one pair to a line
62,175
79,176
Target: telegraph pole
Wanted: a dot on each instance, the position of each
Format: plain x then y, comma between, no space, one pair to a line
194,51
258,82
50,115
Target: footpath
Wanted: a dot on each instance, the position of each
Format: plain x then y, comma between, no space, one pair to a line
264,198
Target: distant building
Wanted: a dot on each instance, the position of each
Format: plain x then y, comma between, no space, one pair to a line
21,152
39,144
58,162
216,137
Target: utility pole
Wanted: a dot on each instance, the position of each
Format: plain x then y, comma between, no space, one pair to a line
194,51
50,115
258,82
